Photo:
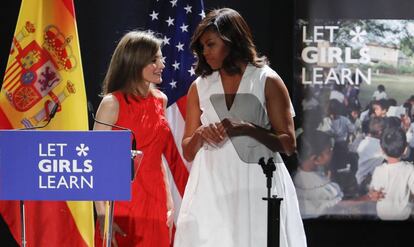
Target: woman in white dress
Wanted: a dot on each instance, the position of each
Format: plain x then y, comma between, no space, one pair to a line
238,110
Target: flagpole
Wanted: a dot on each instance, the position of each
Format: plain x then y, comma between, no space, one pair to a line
110,223
22,223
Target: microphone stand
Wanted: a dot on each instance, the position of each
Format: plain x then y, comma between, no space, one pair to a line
21,204
273,204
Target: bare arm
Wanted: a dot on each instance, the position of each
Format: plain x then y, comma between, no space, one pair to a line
107,113
279,111
170,202
192,140
195,135
281,138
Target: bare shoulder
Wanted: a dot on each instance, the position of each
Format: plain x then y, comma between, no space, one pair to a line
192,91
275,86
274,82
107,112
109,102
160,95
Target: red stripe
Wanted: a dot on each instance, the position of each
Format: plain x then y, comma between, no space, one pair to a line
4,121
13,80
12,85
181,103
69,5
8,74
176,165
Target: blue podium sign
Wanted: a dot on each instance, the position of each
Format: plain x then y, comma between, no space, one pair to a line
65,165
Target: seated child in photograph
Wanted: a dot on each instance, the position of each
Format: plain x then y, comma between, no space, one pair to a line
369,153
395,178
379,93
316,193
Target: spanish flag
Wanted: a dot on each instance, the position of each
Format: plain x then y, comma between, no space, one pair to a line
44,69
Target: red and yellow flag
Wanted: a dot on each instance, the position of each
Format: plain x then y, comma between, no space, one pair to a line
44,68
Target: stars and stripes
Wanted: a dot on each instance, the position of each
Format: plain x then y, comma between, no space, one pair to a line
174,21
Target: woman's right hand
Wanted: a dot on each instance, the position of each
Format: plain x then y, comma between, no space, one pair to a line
115,230
212,134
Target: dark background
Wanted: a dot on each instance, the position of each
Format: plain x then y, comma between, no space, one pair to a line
102,23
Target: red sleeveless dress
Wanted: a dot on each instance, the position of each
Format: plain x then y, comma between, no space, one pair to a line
144,218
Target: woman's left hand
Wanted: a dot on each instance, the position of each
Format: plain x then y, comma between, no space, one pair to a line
170,221
235,127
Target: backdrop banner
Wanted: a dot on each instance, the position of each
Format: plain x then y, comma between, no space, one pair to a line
354,75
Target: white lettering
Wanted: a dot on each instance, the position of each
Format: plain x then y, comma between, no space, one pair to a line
318,33
304,35
49,182
304,81
317,74
45,166
310,54
331,32
346,75
75,166
64,165
84,181
332,76
88,166
365,58
340,77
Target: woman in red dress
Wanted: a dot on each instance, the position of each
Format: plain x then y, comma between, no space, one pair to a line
131,101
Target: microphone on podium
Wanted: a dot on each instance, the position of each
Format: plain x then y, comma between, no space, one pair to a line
134,151
50,117
22,210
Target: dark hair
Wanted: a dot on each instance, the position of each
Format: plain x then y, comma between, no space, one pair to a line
235,33
392,122
392,102
135,50
383,103
335,107
393,142
376,126
381,88
312,143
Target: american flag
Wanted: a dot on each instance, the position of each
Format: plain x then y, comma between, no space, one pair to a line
175,21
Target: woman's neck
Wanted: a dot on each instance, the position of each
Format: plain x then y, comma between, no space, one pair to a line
142,89
225,74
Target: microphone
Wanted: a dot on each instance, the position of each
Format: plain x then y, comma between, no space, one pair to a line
91,111
134,151
51,116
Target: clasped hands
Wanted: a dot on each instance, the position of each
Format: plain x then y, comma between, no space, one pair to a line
215,134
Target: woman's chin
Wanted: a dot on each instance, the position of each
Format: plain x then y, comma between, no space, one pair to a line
157,81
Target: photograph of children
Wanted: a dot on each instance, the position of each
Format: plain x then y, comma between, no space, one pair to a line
356,130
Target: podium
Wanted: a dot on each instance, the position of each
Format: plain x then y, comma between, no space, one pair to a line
64,166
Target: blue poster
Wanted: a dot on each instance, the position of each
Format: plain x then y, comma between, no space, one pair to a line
65,165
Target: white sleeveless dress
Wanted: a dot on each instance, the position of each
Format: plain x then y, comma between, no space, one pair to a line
222,204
